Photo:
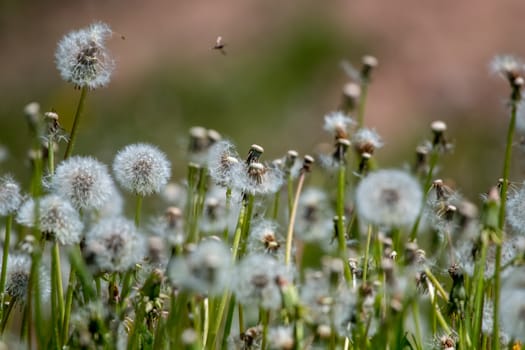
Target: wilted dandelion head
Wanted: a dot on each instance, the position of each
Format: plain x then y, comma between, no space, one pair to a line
10,197
389,198
205,270
17,278
84,181
82,57
57,219
114,245
366,140
338,123
142,169
256,281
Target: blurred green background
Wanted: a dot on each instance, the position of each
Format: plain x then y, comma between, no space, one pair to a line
280,75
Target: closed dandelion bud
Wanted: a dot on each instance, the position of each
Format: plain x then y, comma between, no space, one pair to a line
438,129
289,162
351,95
10,197
324,331
341,146
363,163
308,161
198,140
57,219
254,154
338,124
82,57
458,295
421,163
369,63
34,118
490,214
213,136
142,169
390,198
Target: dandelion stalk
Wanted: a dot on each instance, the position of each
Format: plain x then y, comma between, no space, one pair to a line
291,223
7,240
367,249
340,208
76,121
515,99
58,281
138,209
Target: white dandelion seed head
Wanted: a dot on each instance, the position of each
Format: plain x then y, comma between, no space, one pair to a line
366,140
169,226
266,238
516,211
512,305
224,164
216,216
389,198
114,245
17,278
56,218
281,338
84,181
206,270
142,169
174,194
338,123
82,57
10,197
256,281
258,178
505,64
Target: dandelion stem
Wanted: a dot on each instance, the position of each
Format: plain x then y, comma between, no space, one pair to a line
265,316
7,239
365,264
58,280
69,302
340,210
515,98
436,284
76,122
138,209
289,234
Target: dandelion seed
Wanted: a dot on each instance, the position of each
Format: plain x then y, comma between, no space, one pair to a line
338,124
389,198
206,270
57,219
10,197
82,57
84,181
114,245
142,169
